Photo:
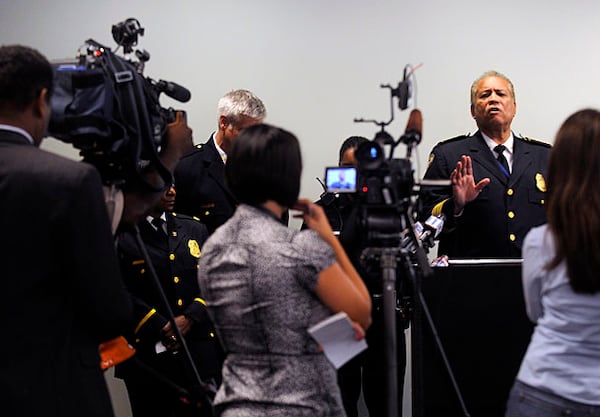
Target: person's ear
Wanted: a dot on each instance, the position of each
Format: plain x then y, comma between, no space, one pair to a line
40,104
223,122
40,116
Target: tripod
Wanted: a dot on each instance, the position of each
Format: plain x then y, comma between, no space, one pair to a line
408,253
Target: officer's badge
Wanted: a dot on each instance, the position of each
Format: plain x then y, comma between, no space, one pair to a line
194,248
540,182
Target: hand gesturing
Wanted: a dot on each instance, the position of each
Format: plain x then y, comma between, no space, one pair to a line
464,189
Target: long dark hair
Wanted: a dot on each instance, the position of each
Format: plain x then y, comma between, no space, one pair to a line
573,209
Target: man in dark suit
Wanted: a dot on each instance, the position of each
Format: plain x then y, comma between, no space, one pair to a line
200,175
61,287
173,244
497,193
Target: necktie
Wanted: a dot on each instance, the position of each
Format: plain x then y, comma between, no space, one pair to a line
158,223
501,159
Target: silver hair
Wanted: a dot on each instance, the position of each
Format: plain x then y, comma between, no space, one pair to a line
511,88
238,103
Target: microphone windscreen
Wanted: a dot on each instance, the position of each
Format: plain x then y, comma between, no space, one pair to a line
415,122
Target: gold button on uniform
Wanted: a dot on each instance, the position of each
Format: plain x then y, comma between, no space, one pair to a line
510,191
511,214
180,302
172,257
512,237
176,280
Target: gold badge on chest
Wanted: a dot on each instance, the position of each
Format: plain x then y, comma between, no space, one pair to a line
540,182
194,248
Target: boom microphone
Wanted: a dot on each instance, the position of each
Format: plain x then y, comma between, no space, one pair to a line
174,90
414,128
403,91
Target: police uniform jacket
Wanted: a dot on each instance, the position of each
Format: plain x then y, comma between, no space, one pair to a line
175,259
496,222
201,189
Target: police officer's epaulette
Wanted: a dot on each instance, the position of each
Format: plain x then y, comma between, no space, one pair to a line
536,142
186,217
195,149
459,137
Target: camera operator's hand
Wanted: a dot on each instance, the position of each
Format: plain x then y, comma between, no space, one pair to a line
464,189
178,142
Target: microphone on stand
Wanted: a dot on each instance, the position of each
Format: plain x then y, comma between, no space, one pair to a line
429,231
413,132
414,128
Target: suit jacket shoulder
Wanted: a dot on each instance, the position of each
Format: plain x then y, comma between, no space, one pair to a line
456,142
534,142
455,139
203,151
446,149
181,218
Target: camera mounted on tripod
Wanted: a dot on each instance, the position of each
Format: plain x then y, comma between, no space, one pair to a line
104,106
382,186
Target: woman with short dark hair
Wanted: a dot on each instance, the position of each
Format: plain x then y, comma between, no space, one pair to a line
265,284
560,373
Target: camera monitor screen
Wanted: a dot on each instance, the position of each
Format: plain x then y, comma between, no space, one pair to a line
340,179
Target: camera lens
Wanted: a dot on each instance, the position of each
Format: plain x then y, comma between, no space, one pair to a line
369,155
373,152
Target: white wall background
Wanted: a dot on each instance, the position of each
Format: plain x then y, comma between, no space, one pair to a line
318,64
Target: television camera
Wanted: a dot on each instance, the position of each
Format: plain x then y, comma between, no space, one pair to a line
383,187
382,224
104,106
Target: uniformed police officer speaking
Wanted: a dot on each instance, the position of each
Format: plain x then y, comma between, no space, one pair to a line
498,179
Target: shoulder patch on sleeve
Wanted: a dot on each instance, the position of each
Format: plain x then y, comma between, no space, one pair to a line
431,158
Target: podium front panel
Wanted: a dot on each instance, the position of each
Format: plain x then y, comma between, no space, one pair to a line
478,310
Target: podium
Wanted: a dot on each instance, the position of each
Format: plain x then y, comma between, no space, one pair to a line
478,310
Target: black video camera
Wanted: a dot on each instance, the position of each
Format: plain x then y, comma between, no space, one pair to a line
382,186
104,106
382,190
